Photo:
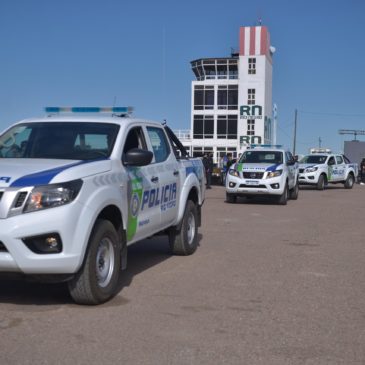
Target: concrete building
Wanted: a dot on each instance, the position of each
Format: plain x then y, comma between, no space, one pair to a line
231,98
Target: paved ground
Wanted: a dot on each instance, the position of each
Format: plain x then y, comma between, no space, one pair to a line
268,285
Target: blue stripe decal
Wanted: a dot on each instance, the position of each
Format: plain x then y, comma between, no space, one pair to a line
190,170
272,168
44,177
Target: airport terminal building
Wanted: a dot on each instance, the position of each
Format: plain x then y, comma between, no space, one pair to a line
231,98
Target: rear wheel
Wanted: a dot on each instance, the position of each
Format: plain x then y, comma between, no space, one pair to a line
349,183
97,280
321,182
184,242
231,198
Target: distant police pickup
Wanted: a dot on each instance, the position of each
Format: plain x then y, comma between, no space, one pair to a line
263,171
320,169
76,191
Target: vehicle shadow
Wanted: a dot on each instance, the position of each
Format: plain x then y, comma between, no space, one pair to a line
257,200
338,186
23,290
144,255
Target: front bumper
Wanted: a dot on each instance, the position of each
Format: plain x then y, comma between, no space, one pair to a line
244,187
15,256
310,178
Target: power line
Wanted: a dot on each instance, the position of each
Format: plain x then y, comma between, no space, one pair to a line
333,114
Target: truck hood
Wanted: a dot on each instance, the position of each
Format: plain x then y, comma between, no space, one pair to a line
16,172
305,165
260,167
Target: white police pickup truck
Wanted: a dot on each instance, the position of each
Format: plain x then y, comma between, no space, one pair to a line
76,191
320,169
263,171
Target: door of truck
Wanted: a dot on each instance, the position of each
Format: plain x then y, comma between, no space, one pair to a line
340,168
165,172
144,216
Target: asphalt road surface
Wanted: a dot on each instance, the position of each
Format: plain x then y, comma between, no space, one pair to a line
268,285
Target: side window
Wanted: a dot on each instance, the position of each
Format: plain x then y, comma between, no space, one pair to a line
14,145
346,160
289,157
331,161
160,145
135,139
339,160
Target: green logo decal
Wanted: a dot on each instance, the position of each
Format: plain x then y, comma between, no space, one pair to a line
135,196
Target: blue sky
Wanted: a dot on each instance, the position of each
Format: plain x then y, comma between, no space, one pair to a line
101,52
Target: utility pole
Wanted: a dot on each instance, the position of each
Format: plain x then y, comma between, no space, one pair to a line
295,131
319,142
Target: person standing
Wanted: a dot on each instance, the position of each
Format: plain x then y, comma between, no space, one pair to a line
208,166
362,172
210,170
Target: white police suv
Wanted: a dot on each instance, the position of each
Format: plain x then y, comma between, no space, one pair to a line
321,169
263,171
75,191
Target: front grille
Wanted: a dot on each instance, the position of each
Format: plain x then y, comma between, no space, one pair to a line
20,199
301,171
253,175
252,186
2,247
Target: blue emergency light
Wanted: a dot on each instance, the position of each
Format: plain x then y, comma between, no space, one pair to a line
89,109
266,146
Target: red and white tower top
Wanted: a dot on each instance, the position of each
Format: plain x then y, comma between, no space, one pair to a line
255,41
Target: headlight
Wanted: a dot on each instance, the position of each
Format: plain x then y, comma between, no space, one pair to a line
233,172
274,174
311,169
50,196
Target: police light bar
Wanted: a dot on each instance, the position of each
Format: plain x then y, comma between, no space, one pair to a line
266,146
91,109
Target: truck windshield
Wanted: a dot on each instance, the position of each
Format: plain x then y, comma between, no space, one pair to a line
59,140
262,157
317,159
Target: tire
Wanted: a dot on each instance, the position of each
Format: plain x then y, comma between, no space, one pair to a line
349,183
97,280
283,199
320,183
293,194
184,242
231,198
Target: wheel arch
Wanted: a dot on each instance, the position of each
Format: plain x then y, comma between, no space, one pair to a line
193,195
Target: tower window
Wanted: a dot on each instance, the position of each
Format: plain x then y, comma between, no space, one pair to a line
203,126
227,126
251,100
203,97
251,127
228,97
252,66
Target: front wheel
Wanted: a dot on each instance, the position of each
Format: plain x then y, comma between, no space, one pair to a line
320,183
97,280
184,241
231,198
294,192
349,183
283,199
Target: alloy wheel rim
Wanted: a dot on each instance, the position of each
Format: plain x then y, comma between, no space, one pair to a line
104,262
191,228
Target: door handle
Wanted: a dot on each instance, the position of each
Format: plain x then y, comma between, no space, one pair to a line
176,172
154,179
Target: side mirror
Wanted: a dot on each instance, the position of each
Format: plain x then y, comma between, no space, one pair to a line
137,157
291,162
